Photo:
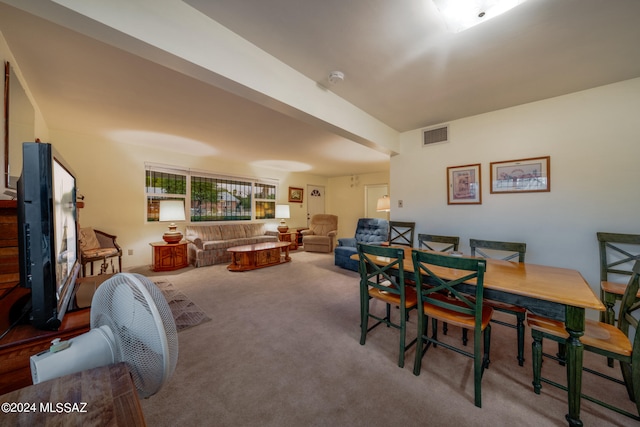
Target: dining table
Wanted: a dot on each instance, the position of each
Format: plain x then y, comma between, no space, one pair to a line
555,292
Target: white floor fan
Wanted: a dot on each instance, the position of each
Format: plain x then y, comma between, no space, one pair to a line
131,322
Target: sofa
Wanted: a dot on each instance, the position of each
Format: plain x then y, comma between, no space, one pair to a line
208,244
321,234
372,231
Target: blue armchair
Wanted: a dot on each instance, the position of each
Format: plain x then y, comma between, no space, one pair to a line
371,231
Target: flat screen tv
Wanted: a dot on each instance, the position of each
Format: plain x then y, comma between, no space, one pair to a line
47,233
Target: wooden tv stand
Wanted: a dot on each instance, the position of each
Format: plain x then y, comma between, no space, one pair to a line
23,340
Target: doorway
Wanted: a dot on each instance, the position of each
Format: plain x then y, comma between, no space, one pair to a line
315,201
371,195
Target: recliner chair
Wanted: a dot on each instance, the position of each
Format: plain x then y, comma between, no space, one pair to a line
371,231
321,235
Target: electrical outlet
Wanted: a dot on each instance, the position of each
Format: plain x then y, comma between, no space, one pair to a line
130,252
399,203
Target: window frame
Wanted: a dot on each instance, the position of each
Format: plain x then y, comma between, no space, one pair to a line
261,208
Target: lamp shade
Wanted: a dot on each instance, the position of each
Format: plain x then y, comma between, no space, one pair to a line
282,211
384,204
171,210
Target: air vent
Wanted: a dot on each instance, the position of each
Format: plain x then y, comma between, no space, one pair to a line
435,135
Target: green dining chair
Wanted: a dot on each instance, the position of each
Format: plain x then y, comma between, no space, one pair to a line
437,243
401,233
445,243
621,343
445,300
508,251
617,253
385,283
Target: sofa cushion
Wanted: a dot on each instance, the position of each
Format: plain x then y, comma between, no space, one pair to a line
88,239
233,231
343,257
213,244
204,232
372,230
254,229
347,241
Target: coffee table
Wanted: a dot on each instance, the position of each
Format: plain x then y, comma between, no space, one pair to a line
258,255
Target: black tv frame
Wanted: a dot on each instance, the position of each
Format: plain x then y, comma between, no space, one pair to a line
47,233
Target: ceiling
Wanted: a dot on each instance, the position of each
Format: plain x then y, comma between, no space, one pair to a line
401,66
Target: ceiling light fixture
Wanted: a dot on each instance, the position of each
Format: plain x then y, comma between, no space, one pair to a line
460,15
336,77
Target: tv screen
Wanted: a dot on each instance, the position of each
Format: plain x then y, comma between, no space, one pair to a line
47,233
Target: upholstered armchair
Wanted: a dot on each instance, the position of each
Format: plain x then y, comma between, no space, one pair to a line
321,235
372,231
96,245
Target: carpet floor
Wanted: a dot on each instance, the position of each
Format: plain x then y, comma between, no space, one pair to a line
282,349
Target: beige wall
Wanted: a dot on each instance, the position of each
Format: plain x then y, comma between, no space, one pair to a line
593,138
111,177
346,198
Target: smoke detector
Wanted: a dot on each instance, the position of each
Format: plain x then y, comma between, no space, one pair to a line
336,77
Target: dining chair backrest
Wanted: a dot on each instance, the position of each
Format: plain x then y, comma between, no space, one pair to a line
630,309
385,277
446,243
617,253
507,251
426,263
628,323
401,233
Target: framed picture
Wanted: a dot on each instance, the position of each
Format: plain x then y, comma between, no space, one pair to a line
463,185
295,194
521,176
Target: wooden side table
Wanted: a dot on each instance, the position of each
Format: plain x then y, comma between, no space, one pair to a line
291,237
299,234
169,256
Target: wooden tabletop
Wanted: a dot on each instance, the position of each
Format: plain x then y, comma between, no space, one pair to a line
102,396
555,284
259,246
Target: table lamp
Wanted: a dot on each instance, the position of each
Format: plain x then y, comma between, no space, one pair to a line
172,210
282,212
384,204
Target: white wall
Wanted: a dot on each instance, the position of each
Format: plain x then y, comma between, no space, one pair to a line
593,138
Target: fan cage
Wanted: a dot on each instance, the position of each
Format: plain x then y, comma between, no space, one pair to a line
143,327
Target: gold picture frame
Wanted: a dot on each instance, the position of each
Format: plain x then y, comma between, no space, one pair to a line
295,195
464,185
530,175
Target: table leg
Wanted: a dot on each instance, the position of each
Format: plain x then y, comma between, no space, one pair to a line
575,351
286,253
234,263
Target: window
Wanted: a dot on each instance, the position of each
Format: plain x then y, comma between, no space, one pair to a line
212,197
220,199
265,197
162,185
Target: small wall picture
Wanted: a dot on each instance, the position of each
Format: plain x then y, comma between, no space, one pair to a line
521,176
463,185
295,195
